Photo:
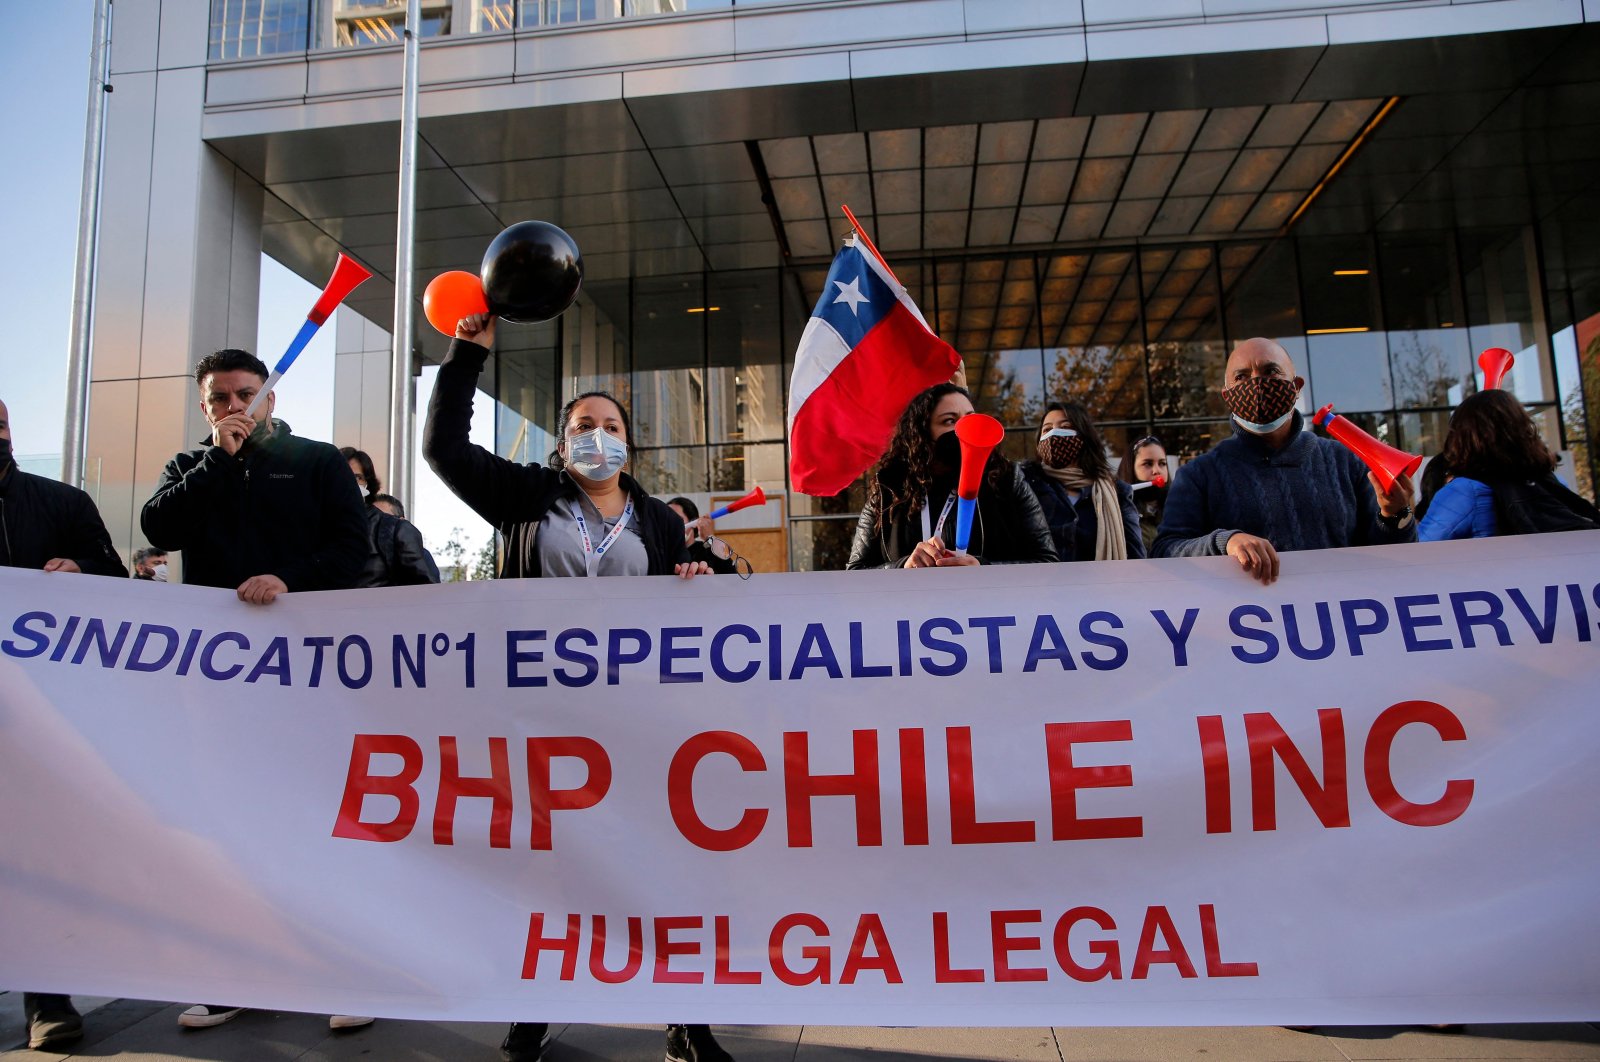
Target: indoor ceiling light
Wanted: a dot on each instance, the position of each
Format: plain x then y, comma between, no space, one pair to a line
1351,272
1335,331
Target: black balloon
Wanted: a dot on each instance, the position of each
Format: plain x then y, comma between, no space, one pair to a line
531,272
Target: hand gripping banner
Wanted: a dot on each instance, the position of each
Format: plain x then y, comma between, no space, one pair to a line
1134,793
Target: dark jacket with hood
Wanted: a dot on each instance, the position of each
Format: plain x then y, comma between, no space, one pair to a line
515,498
1311,494
282,505
1008,527
41,520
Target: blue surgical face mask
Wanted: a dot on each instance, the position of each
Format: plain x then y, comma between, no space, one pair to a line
596,454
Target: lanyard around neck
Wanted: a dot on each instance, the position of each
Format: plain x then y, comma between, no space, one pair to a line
591,552
944,514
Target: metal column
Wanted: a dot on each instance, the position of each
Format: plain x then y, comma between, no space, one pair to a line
402,395
75,440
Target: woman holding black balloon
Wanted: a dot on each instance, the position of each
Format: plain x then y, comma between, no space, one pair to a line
1091,514
579,515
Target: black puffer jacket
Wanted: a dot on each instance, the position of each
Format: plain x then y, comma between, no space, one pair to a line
1008,528
512,497
41,520
398,557
282,505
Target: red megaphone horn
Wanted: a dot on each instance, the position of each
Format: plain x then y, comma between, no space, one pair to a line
1386,462
347,276
755,497
979,434
1495,363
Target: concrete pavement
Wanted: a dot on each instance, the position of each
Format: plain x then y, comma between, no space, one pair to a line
138,1031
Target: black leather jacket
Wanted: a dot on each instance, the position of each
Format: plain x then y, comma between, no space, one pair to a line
1009,528
41,520
398,557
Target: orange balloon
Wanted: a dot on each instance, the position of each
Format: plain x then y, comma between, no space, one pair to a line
452,296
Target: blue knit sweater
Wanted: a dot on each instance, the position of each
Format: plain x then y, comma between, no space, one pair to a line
1312,494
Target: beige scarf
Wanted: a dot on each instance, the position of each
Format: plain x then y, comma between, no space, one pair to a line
1109,543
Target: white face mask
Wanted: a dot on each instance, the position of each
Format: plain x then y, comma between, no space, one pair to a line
159,573
596,454
1263,429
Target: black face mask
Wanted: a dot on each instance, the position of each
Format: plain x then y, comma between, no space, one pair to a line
5,453
947,451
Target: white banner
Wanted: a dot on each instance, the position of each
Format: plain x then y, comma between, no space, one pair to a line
1142,793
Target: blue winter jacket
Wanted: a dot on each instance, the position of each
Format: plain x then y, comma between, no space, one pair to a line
1462,508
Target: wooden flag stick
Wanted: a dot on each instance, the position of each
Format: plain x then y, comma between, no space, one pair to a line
868,241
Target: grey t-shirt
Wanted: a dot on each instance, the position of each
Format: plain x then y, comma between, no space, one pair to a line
560,544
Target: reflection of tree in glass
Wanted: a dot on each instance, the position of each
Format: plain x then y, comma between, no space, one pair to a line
1423,374
1082,375
1186,379
1583,445
999,392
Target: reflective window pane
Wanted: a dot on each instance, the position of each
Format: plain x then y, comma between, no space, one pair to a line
665,472
1184,328
820,545
1500,307
669,376
241,29
1428,343
744,376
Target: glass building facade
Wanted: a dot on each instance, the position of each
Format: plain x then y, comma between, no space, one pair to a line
1077,230
1385,327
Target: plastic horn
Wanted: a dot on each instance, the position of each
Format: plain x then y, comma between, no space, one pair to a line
755,497
1158,480
979,434
348,275
1495,363
1386,462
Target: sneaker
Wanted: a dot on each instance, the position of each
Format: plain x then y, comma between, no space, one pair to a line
694,1043
205,1015
525,1041
52,1019
348,1021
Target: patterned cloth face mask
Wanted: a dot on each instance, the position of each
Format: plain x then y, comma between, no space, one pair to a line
1262,404
1060,447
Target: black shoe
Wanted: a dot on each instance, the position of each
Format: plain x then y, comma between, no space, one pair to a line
694,1043
525,1041
52,1019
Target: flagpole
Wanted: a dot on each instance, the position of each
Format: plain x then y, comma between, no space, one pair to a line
868,241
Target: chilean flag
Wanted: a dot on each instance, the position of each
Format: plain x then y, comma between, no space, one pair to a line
865,354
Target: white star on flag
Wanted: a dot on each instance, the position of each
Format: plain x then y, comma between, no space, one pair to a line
851,295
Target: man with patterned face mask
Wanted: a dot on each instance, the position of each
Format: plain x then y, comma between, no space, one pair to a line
1275,487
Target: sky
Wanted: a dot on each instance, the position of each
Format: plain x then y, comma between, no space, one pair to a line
39,201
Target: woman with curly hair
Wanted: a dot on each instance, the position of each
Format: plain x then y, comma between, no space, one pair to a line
1091,513
1501,477
911,494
